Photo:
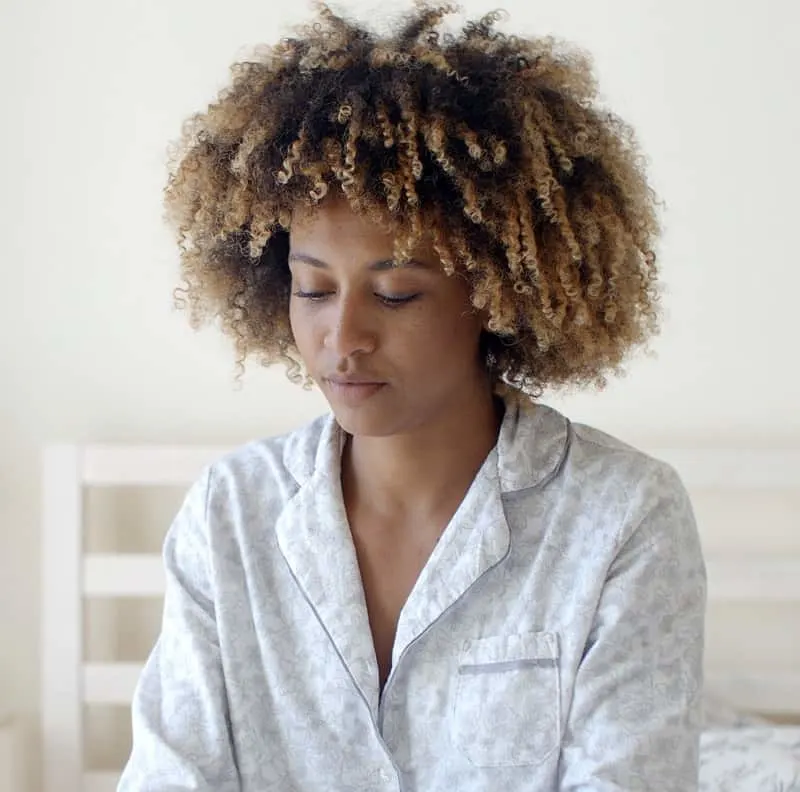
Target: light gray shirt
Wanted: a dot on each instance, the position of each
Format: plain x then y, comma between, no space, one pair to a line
553,640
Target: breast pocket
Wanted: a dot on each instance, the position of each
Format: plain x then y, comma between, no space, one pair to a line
507,705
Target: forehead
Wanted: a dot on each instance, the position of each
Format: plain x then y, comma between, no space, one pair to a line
336,219
333,228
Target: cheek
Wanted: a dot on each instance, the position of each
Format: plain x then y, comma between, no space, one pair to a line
302,325
443,339
459,323
293,321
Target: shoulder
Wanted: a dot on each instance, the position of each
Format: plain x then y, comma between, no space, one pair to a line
645,495
230,508
267,471
594,479
605,458
612,464
541,447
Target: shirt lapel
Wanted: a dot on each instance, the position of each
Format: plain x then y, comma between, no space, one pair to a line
314,537
476,539
529,450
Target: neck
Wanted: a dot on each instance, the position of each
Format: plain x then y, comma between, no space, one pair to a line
436,463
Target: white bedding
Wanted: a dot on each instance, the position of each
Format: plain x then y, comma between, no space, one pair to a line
743,753
754,759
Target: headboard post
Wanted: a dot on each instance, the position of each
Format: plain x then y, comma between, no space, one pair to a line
62,620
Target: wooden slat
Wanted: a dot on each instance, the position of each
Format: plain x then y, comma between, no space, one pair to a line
62,622
110,683
753,580
137,465
123,575
734,579
734,468
774,692
100,782
178,465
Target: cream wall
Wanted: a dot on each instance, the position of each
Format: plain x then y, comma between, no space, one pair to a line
90,349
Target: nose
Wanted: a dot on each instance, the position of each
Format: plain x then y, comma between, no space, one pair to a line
351,331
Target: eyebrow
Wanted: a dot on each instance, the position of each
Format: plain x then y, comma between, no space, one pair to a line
379,266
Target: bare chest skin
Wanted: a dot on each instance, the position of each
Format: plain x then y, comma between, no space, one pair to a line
390,560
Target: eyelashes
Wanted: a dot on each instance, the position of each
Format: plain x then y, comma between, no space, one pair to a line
391,300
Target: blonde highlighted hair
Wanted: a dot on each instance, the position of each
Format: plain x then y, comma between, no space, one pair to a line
492,144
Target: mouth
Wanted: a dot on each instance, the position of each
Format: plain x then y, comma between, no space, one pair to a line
353,390
353,380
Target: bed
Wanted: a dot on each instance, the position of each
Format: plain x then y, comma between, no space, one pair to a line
96,572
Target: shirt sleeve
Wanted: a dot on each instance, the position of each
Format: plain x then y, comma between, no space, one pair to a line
636,713
181,736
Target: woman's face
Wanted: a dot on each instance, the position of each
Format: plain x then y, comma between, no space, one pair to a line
392,348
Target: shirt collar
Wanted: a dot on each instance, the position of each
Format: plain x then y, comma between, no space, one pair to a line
531,445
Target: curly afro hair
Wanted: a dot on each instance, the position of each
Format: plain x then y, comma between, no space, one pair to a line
491,144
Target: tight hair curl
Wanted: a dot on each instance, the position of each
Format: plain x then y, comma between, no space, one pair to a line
491,144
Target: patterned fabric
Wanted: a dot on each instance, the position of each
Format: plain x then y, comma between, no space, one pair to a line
759,759
553,640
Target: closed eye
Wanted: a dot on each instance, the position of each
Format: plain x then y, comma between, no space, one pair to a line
387,299
312,295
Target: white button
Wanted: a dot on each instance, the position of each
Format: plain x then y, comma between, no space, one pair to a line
385,776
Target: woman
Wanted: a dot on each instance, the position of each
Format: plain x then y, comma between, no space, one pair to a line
444,585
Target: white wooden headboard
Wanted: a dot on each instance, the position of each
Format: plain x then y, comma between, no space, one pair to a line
70,576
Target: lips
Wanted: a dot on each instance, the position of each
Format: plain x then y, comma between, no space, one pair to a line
353,391
353,381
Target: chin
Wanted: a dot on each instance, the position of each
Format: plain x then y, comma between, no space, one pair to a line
367,423
364,413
